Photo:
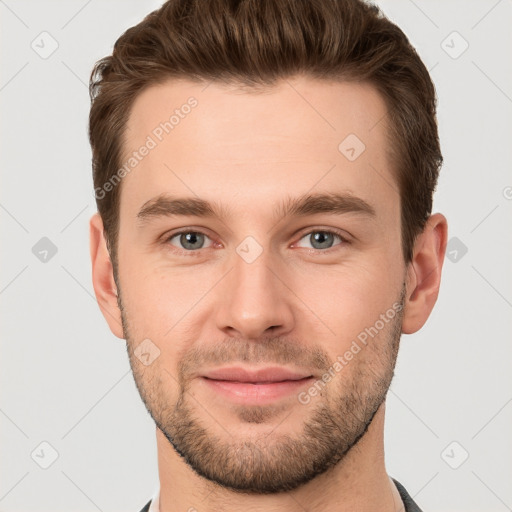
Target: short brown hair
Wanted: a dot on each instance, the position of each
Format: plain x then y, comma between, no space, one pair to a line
254,43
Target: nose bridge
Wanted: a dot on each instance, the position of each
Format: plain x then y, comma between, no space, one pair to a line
255,299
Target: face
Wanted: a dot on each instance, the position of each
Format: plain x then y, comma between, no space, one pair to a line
261,278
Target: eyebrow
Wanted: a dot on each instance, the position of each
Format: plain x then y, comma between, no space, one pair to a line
165,205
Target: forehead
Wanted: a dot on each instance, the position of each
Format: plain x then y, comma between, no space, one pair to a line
214,140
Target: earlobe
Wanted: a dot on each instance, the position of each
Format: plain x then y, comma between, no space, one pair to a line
424,273
103,276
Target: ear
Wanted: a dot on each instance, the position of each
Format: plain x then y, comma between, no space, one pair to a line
103,282
424,273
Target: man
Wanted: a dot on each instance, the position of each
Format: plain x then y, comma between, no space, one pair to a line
264,172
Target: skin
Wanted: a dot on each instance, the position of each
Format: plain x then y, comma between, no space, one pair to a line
295,305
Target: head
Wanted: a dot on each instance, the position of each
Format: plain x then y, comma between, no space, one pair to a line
264,174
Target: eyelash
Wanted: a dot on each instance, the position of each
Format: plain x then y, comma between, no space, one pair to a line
312,251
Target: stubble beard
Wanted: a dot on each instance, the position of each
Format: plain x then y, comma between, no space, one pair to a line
273,462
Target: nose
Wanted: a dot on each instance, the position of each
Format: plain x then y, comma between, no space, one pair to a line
254,301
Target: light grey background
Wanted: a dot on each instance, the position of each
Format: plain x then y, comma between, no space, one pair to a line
65,379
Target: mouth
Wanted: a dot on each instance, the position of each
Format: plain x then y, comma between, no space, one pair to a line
258,386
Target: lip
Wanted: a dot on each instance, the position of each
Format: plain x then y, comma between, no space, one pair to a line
255,387
260,375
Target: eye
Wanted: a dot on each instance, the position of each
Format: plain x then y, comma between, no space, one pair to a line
189,240
322,239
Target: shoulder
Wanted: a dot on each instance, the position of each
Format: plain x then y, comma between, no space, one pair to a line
409,504
146,507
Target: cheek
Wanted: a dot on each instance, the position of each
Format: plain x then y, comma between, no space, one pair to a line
162,302
346,300
153,297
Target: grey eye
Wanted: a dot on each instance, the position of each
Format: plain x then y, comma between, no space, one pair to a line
189,240
321,239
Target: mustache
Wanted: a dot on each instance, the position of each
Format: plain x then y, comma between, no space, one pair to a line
273,350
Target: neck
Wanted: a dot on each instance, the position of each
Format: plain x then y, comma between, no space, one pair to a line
357,483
